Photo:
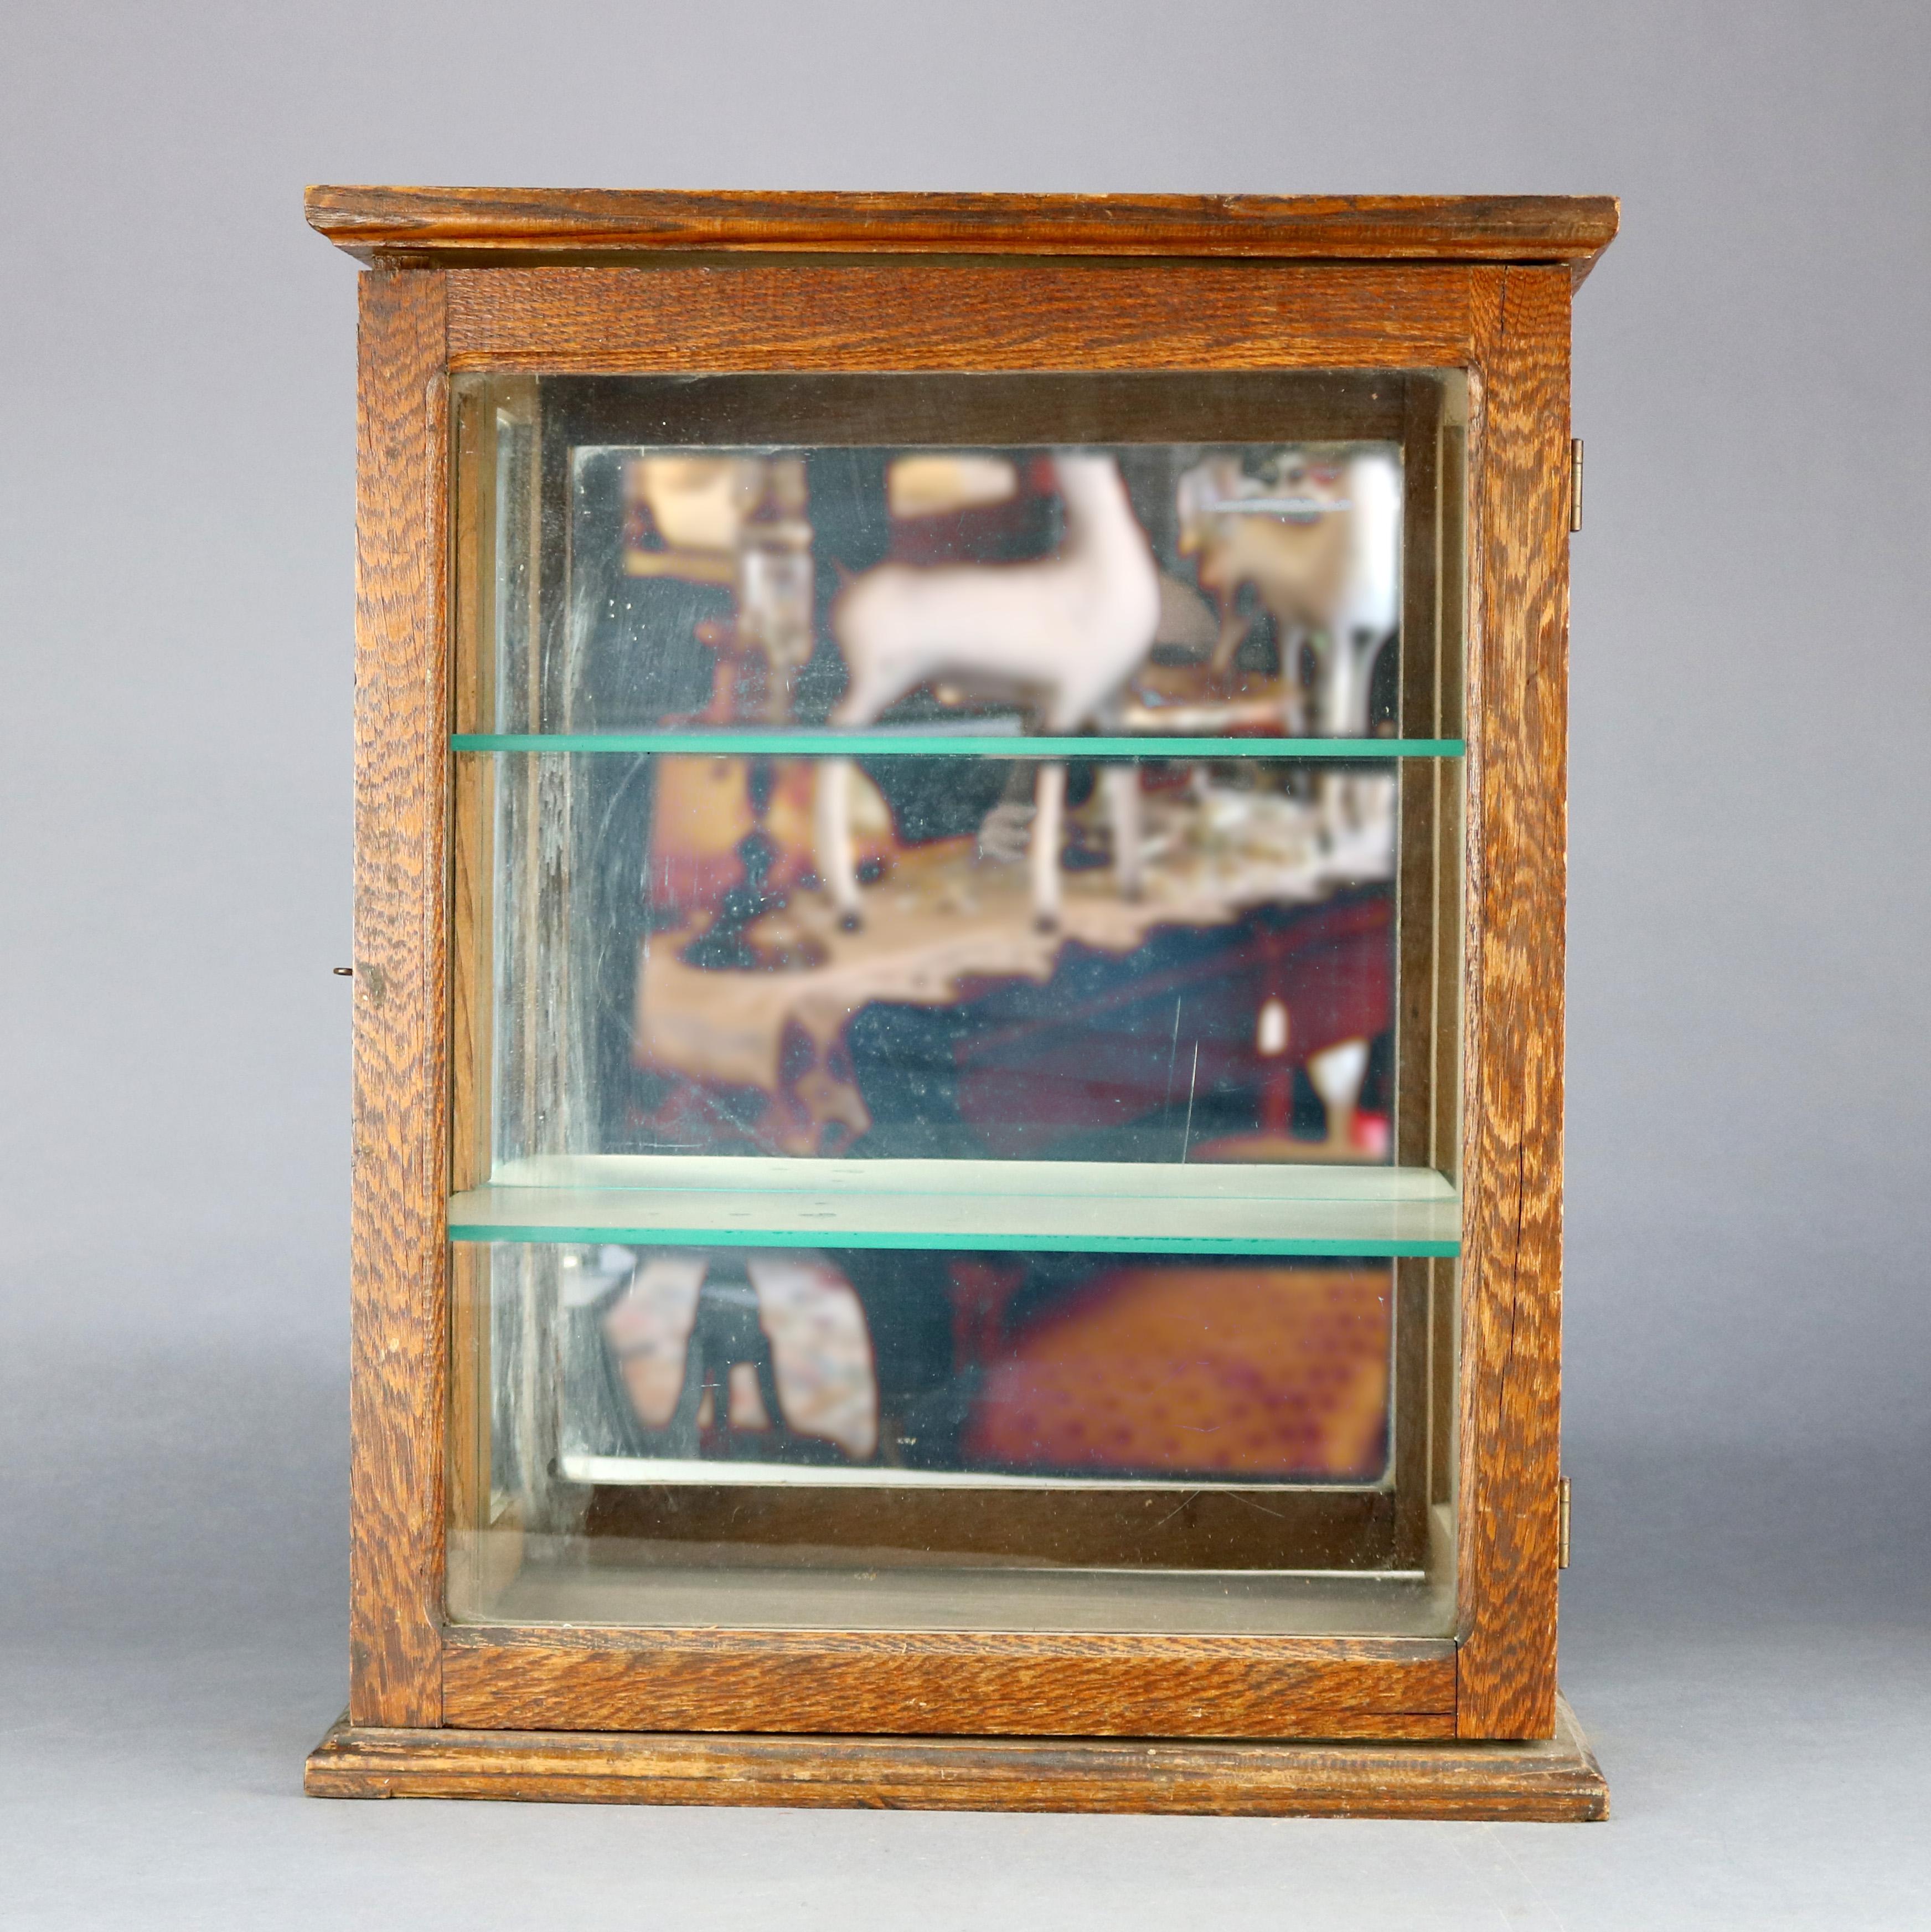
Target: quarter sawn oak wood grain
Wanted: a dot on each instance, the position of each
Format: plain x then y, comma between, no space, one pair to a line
967,284
917,315
1517,846
1553,1782
398,1249
463,223
939,1682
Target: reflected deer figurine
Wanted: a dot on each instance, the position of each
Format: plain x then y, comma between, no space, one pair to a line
1074,626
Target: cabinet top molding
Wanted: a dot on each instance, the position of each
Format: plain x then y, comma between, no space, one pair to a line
445,226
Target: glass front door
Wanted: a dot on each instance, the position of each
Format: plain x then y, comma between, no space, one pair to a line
957,1000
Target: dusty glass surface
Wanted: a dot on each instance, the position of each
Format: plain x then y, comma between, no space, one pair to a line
894,813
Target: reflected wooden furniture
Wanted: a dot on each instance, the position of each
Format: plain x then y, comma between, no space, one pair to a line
1464,1725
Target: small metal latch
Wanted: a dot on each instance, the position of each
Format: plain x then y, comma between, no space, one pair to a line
1575,482
1562,1522
343,972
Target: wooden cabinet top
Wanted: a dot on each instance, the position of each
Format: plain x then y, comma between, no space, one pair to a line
440,227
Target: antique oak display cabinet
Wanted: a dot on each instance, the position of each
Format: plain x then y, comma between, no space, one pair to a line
958,999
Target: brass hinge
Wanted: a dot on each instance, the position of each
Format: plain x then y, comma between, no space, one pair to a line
1562,1522
1575,482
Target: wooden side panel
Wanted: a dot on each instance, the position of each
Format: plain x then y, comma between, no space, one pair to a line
1512,1244
972,1683
915,314
400,1146
1556,1782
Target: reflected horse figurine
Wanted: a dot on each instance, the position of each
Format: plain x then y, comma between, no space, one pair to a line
1074,626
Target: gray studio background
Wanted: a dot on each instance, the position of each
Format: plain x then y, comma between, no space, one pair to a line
1747,1309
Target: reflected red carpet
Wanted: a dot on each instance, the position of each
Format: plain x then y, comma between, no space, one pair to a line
1261,1371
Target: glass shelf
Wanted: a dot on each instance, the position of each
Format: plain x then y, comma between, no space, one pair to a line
924,742
988,1206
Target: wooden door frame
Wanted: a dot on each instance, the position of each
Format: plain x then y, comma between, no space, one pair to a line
1507,325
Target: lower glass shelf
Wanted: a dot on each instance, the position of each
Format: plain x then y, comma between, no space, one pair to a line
1042,1206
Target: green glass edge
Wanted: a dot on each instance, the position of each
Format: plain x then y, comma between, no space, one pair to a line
1076,1244
818,744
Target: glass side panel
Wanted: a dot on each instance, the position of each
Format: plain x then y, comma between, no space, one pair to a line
783,1421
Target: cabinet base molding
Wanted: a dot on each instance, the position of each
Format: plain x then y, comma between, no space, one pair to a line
1552,1780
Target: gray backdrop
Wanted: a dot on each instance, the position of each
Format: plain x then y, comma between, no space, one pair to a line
1748,1316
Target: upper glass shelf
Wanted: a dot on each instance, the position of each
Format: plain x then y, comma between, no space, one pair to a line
1083,1207
981,743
